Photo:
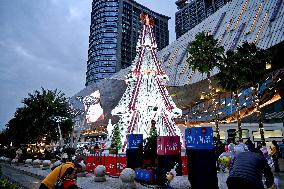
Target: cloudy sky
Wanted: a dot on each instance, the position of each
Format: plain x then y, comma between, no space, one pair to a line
44,43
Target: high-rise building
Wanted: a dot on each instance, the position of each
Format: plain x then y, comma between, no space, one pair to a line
114,31
192,12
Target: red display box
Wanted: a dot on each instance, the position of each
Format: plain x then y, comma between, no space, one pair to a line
168,145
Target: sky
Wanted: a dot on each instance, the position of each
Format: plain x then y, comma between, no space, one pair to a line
44,43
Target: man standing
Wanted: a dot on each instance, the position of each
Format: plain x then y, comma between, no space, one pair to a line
247,171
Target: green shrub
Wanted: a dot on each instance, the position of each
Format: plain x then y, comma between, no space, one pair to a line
5,184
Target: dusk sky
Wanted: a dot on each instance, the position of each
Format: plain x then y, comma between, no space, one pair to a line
44,43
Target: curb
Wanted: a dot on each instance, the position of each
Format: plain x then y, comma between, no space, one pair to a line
40,177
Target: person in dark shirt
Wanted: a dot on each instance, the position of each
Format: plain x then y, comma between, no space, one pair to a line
250,145
247,171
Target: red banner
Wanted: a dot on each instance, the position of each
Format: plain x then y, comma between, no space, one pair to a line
115,164
168,145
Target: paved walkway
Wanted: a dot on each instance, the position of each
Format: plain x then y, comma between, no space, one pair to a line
88,181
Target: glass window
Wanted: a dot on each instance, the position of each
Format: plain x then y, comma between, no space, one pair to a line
245,133
268,134
108,63
222,134
107,69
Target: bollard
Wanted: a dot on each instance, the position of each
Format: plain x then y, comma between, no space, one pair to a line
14,161
180,182
100,172
127,177
36,163
28,162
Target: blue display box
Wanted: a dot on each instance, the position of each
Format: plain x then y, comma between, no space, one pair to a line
199,138
134,140
145,175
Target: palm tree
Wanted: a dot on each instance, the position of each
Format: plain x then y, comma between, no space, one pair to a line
255,60
245,66
204,54
231,78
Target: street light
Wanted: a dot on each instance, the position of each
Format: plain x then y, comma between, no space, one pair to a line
58,120
74,112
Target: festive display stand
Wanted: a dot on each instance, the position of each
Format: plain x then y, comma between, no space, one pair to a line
134,152
202,172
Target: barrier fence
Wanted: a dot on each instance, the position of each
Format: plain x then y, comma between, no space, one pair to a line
115,163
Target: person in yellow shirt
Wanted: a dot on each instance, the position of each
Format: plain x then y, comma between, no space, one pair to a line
59,173
65,171
275,155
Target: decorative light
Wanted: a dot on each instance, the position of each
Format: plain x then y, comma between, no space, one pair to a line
267,66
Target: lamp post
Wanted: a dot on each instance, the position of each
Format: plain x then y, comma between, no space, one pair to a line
58,120
74,112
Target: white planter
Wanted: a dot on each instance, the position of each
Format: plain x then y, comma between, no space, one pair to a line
100,172
180,182
127,177
28,161
46,163
14,161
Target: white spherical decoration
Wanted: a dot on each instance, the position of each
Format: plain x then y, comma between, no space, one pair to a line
36,162
8,159
14,161
28,161
127,175
180,182
100,172
46,163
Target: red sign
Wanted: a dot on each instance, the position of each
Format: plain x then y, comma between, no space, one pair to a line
168,145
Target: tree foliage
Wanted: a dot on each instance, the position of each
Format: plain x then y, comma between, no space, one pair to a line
31,122
245,66
116,142
150,147
231,76
204,53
